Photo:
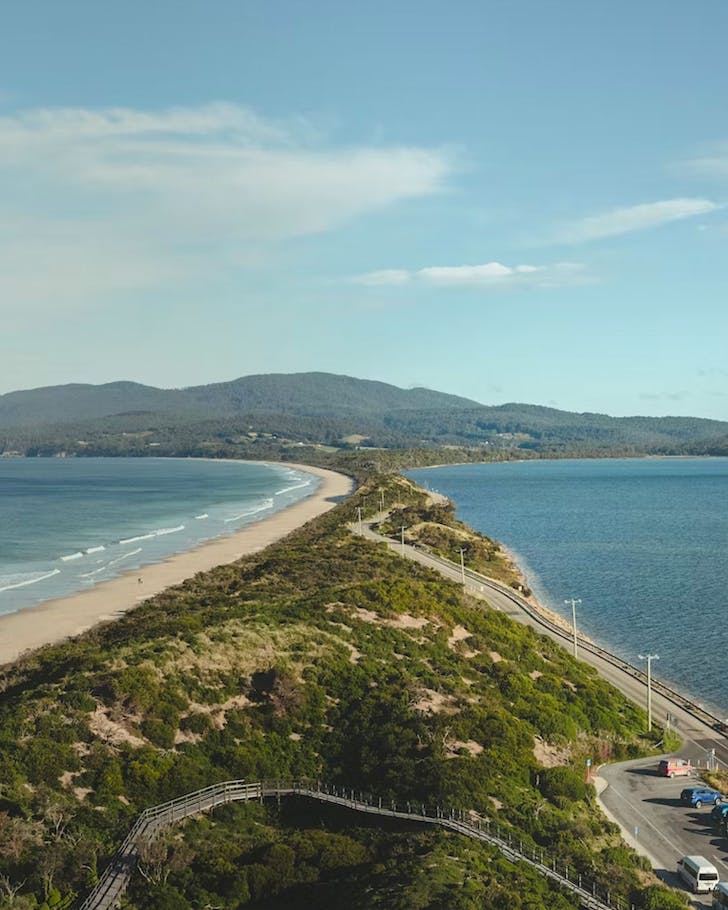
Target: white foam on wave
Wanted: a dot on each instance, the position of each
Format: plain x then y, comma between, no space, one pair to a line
95,572
136,539
111,562
204,515
125,556
266,504
160,532
20,581
71,556
296,486
95,549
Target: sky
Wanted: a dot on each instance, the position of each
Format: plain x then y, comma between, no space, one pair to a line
509,200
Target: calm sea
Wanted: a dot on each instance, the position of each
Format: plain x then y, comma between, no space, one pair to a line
67,524
642,542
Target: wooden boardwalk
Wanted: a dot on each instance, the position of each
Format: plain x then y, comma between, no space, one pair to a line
113,883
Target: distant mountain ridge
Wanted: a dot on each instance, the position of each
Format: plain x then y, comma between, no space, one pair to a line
323,408
307,394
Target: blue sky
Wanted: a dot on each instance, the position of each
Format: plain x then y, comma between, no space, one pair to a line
511,201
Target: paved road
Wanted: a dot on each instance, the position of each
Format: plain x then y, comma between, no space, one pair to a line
699,737
666,830
634,795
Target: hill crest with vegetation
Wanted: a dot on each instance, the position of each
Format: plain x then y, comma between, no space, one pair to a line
266,416
326,657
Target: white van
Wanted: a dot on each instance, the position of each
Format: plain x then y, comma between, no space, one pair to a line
698,873
720,896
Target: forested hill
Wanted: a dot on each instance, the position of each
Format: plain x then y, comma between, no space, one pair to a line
322,409
300,394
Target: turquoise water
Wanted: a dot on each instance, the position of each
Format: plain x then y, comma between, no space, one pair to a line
67,524
642,542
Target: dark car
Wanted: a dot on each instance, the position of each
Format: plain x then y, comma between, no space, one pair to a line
700,796
718,814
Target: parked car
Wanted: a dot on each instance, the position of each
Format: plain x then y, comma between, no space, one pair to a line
674,767
700,796
718,814
720,896
697,873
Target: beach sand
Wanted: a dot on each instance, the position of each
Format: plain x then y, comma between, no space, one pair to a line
55,620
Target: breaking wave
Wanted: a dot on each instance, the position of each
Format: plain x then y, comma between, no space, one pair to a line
266,504
9,582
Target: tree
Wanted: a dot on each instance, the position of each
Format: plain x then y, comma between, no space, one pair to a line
160,856
17,836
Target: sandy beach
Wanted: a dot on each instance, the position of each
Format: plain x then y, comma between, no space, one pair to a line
55,620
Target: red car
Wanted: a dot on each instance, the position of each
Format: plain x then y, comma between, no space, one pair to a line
674,767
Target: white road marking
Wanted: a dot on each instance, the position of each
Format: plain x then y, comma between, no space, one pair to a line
645,818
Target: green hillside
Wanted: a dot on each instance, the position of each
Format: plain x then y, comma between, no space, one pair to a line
304,394
324,657
322,409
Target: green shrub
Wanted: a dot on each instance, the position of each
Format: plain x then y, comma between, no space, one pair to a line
198,722
564,783
158,732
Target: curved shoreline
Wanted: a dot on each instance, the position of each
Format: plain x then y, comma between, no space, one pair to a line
53,621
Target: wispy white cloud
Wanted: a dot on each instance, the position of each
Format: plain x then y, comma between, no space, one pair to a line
384,278
714,163
486,275
633,218
665,396
101,200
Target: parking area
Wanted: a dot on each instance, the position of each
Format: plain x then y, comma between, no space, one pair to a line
654,820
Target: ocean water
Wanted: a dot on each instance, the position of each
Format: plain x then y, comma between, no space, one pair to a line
68,524
643,543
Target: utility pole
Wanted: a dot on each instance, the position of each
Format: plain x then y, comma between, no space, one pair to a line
649,658
573,601
358,508
381,502
403,530
462,564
